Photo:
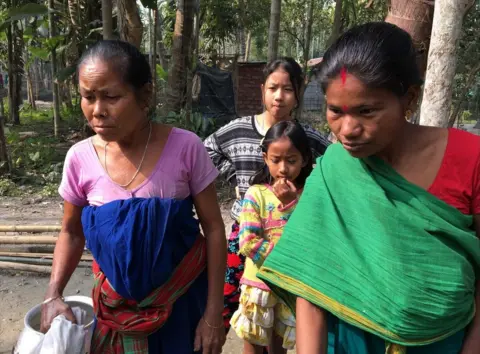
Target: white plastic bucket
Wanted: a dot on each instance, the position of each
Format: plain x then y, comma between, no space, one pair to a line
31,336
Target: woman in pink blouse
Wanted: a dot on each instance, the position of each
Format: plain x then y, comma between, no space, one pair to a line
148,172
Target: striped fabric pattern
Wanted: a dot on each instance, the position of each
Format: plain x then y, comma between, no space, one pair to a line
235,150
123,326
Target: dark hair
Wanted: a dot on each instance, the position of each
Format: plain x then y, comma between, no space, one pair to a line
293,131
379,54
126,58
290,66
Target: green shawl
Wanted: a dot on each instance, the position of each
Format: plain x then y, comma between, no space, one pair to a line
377,252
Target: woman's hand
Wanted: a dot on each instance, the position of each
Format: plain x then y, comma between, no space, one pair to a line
285,191
210,335
53,309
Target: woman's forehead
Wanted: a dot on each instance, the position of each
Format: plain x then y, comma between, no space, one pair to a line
279,76
348,88
98,75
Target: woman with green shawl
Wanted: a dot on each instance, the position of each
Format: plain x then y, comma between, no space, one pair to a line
382,252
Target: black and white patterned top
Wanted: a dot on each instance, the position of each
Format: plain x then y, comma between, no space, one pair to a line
235,150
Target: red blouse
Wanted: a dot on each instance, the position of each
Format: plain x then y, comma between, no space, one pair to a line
458,180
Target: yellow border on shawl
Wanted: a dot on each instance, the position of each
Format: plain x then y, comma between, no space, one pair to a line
300,289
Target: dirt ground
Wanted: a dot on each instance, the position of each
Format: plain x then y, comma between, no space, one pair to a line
21,291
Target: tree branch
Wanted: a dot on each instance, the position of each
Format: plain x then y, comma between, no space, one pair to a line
302,44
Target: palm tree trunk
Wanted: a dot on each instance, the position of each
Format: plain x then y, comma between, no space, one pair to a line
11,81
130,23
274,30
181,50
17,72
107,22
53,60
30,93
160,47
337,22
154,59
415,17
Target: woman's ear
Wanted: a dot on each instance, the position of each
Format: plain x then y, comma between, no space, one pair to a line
265,157
262,87
146,97
410,100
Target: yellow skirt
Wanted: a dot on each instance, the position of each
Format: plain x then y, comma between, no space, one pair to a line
261,314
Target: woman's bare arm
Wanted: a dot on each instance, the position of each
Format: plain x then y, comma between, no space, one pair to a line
68,251
208,210
312,334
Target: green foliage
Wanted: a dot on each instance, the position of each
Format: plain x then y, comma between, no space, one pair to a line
37,156
8,188
161,73
196,123
465,116
22,12
467,79
221,19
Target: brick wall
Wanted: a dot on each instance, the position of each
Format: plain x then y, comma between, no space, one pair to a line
249,78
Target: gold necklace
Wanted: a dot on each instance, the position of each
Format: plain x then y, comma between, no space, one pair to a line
139,166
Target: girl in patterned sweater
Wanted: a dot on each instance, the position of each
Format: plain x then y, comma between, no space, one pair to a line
235,151
262,319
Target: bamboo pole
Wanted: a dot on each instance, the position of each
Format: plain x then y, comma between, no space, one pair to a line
33,240
30,228
28,248
25,267
85,257
37,261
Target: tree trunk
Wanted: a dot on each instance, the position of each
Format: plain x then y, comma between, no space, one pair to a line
30,93
11,81
274,30
17,71
337,22
415,17
130,23
472,75
67,95
182,37
160,47
53,61
306,53
446,32
107,22
13,66
308,37
4,161
154,60
247,46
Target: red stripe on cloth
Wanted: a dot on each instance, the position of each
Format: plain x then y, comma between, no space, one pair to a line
123,323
